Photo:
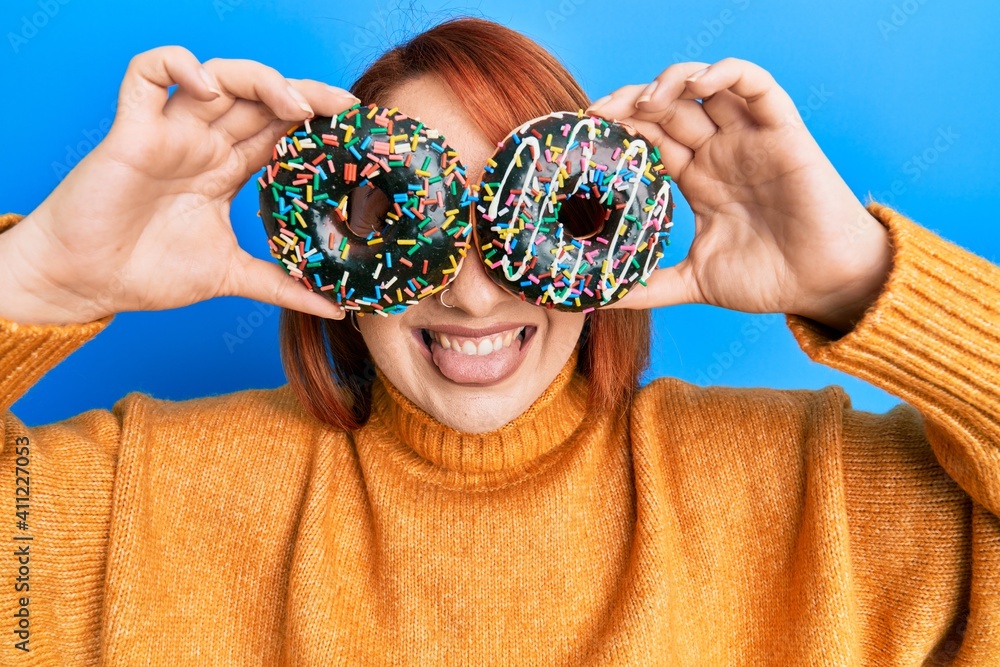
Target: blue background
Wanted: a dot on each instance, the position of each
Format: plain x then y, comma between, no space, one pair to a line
876,81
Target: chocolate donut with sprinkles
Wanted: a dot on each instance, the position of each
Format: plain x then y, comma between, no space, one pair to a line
320,203
573,211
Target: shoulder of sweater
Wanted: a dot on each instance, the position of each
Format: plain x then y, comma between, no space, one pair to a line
242,447
238,442
744,435
254,410
766,408
682,394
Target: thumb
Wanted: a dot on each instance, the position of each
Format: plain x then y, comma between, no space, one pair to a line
266,281
669,286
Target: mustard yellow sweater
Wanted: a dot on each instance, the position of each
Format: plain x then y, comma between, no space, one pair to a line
709,526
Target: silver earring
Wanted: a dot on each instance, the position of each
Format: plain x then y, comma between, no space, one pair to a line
441,298
354,321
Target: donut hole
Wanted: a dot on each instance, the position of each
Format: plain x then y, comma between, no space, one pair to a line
367,207
582,216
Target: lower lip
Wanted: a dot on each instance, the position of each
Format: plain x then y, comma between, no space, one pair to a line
474,370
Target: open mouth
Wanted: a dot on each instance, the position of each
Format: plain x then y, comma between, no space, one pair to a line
474,347
476,356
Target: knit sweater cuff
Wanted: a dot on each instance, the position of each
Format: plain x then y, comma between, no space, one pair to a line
931,329
28,351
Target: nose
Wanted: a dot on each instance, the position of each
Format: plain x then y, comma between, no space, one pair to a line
473,290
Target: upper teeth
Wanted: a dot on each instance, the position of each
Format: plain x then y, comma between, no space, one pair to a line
477,346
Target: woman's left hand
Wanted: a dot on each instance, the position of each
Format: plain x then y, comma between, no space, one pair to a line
776,227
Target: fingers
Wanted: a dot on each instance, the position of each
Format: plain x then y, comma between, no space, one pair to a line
242,79
684,120
669,286
246,118
255,151
289,100
724,108
766,101
734,93
728,110
210,91
143,92
266,281
618,104
325,99
674,155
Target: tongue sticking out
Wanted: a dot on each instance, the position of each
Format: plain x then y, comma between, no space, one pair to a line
474,369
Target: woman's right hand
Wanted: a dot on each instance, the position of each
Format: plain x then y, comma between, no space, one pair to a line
142,222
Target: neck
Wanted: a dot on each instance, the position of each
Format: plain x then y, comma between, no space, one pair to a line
548,422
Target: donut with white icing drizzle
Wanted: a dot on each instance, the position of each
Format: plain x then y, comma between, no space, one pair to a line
573,211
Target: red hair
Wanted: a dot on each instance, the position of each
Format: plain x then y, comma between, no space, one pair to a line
502,79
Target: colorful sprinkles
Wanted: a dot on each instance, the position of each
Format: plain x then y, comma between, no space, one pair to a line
304,194
523,241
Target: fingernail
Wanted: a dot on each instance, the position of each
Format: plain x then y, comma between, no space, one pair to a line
599,103
647,92
343,93
300,100
209,80
697,75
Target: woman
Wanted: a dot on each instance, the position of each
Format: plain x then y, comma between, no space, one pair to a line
529,506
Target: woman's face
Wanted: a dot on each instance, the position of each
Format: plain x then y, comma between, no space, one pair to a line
490,355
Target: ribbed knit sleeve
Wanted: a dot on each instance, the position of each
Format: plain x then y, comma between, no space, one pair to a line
55,499
921,551
933,339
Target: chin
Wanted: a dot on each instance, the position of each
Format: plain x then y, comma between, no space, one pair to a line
474,374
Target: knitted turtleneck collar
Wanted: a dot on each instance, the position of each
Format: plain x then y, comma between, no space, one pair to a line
547,423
